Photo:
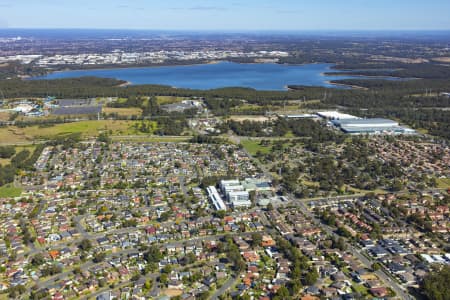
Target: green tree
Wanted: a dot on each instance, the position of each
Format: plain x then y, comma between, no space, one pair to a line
256,239
203,296
376,266
164,279
436,285
153,255
311,277
282,294
85,245
38,260
99,257
148,284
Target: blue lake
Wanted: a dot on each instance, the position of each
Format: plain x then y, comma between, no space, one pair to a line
219,75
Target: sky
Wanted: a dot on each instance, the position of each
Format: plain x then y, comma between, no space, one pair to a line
228,15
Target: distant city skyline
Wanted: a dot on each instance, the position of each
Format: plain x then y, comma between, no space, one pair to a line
227,16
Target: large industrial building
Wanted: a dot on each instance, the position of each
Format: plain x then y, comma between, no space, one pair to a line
371,126
355,125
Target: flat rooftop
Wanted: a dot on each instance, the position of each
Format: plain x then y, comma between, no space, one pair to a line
373,122
335,115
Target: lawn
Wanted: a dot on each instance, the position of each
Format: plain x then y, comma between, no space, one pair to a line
14,135
289,135
127,112
9,191
253,146
443,183
4,297
168,99
359,289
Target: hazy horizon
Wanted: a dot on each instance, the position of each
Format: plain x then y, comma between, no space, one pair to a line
249,15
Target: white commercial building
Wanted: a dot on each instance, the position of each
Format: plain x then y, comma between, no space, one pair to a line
239,199
215,198
228,184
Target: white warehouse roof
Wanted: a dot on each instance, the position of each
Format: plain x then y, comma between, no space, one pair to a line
335,115
374,122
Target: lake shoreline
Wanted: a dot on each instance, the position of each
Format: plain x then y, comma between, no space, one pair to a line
145,66
215,74
356,87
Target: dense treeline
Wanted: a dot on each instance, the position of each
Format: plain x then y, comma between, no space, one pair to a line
171,125
221,106
436,285
12,69
103,87
64,88
206,139
424,70
315,131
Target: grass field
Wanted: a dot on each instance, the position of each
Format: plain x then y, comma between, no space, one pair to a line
9,191
129,111
359,289
4,297
14,135
273,108
253,146
443,183
168,99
